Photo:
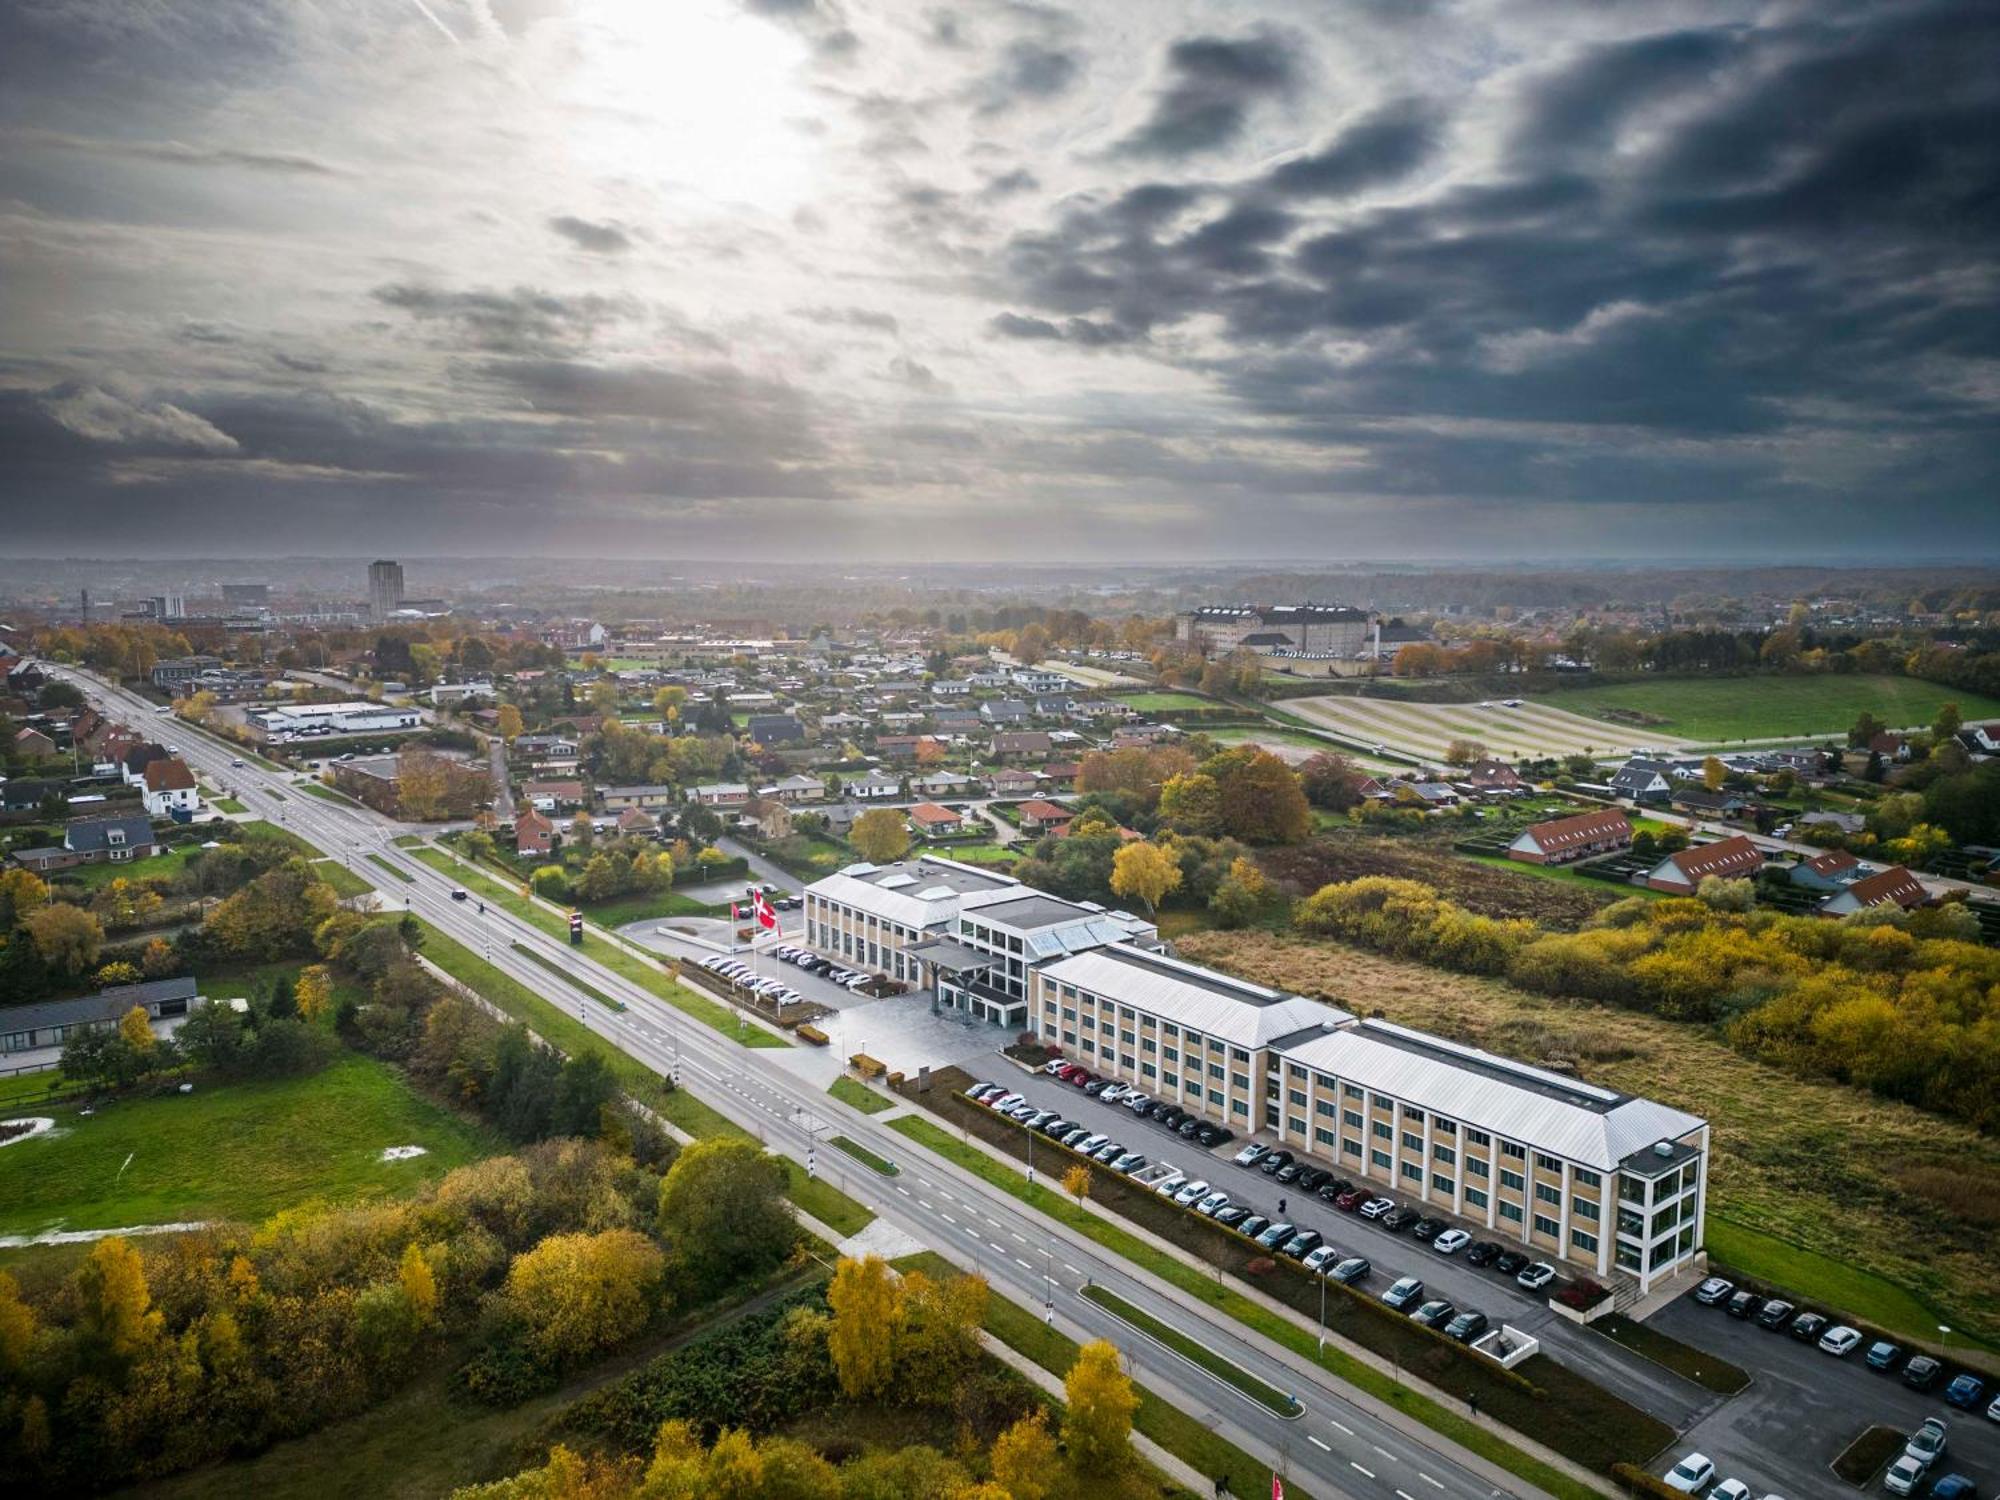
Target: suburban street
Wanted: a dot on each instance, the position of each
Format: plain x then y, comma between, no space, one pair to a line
1344,1444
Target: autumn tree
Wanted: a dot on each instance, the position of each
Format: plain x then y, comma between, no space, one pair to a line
67,938
667,703
1331,781
313,991
1464,753
1947,723
722,1210
419,1285
1031,645
867,1309
507,723
1076,1182
1192,804
579,1293
1097,1427
881,836
17,1325
275,915
22,894
1145,871
1025,1462
1262,802
938,1342
115,1312
1713,774
135,1030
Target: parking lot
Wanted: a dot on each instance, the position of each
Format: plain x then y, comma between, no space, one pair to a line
1780,1435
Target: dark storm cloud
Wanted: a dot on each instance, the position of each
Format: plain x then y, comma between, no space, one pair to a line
1211,85
1029,71
521,320
598,239
1084,332
1384,146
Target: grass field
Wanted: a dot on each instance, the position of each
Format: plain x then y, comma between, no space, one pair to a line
1865,1205
93,877
853,1091
1711,710
343,880
1166,702
395,870
1423,731
229,805
237,1151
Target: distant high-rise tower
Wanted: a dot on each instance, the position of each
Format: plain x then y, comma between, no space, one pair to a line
84,600
385,589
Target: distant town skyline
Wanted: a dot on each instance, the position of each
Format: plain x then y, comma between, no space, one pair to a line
850,280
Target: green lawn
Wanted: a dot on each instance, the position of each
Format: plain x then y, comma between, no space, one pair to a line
1265,1395
240,1151
1715,709
1166,702
606,950
863,1155
853,1091
1252,1315
93,877
270,833
396,870
979,853
326,793
343,880
535,956
228,805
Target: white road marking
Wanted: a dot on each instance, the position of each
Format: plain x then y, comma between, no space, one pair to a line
1406,1495
1071,1269
949,1220
1343,1427
1359,1470
903,1190
1385,1453
1323,1447
1022,1264
1433,1483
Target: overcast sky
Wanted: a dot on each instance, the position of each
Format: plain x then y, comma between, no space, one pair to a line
993,278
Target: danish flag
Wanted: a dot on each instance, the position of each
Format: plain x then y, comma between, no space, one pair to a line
761,909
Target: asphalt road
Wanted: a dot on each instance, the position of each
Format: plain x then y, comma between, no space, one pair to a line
1340,1447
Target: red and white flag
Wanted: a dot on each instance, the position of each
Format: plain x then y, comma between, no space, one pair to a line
766,917
1277,1488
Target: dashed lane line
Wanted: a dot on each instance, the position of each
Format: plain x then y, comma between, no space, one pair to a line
1323,1447
1370,1473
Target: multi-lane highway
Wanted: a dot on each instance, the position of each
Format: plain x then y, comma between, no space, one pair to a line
1343,1445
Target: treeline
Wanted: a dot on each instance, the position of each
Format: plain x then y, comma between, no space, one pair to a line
708,1420
149,1359
1905,1004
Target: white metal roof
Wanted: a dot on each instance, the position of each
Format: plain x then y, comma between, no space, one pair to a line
1548,1111
1234,1010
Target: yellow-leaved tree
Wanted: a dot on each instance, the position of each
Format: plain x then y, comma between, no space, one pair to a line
1097,1427
880,835
579,1293
867,1315
313,991
1145,871
1025,1463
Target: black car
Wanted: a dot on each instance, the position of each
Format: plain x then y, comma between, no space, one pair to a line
1187,1127
1776,1314
1743,1305
1271,1164
1171,1116
1922,1372
1332,1190
1302,1244
1351,1271
1427,1228
1211,1135
1807,1327
1229,1218
1396,1220
1466,1327
1434,1314
1481,1252
1289,1172
1310,1178
1509,1262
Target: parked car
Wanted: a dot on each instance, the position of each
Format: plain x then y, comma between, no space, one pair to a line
1096,1086
1289,1172
1808,1326
1690,1474
1331,1190
1251,1154
1074,1138
1040,1118
1883,1355
1276,1234
1213,1135
1537,1276
1055,1127
1928,1442
1730,1489
1374,1208
1467,1326
1509,1262
1311,1177
1840,1341
1352,1271
1187,1128
1302,1244
1352,1199
1904,1475
1921,1373
1111,1093
1451,1241
1232,1216
1435,1313
1399,1219
1252,1226
1091,1142
1109,1152
1965,1392
1403,1292
1427,1228
1743,1305
1128,1163
1006,1101
1276,1162
1993,1410
1954,1487
1776,1314
1192,1192
1481,1253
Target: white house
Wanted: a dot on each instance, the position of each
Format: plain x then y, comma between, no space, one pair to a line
170,788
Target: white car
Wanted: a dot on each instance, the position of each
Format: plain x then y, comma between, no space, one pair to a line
1320,1257
1731,1489
1192,1193
1250,1155
1690,1474
1054,1065
1170,1184
1451,1241
1213,1204
1904,1475
1840,1341
1111,1093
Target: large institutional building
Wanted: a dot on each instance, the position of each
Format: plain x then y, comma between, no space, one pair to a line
1302,629
1610,1185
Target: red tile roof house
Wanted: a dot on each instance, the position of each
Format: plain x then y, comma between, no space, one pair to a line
558,794
931,819
170,788
1605,831
1895,884
1682,873
533,833
637,821
1040,816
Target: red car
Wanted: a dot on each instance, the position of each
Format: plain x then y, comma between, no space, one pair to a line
1352,1199
1078,1076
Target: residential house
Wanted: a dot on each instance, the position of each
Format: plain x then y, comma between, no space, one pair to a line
1489,776
1699,802
710,794
1834,870
139,757
794,789
1584,836
170,789
32,1036
546,749
26,793
1062,774
32,743
1889,746
1894,886
1039,680
177,672
899,746
771,730
453,694
1011,712
1981,739
534,834
932,820
1027,744
955,721
618,798
1681,873
1427,794
555,796
635,823
771,819
1039,816
942,784
112,839
876,786
951,688
1052,705
1010,781
1839,822
1643,781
